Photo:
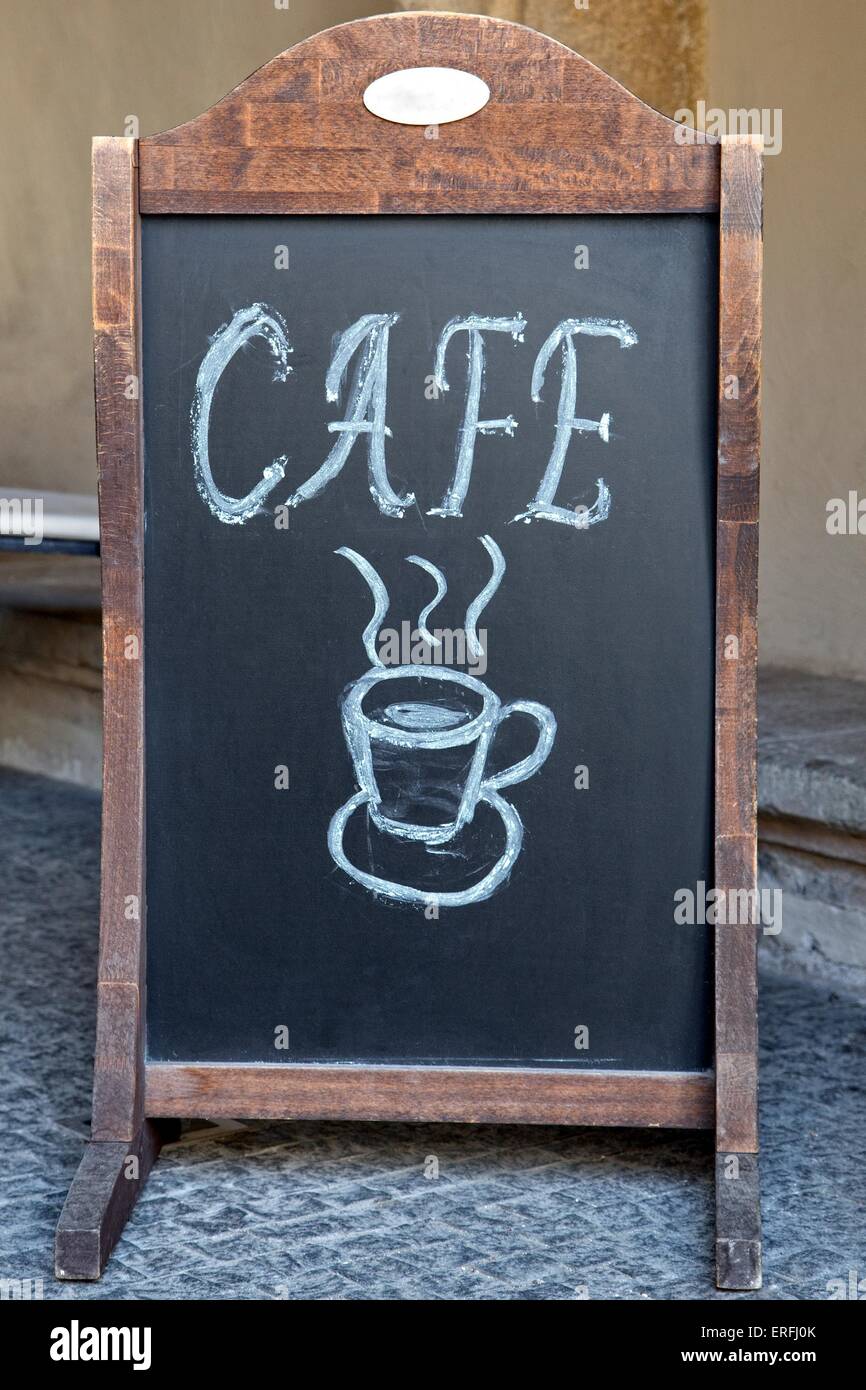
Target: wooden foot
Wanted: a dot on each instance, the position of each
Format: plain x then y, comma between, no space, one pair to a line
103,1192
738,1222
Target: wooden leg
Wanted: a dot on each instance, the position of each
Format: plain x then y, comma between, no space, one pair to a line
738,1222
103,1192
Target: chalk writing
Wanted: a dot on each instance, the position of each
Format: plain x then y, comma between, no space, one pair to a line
367,341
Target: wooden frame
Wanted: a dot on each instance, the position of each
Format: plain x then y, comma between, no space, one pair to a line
558,135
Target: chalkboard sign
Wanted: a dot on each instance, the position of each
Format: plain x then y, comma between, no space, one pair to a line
429,581
329,808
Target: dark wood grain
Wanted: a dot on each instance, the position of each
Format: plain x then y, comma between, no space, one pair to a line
738,1238
738,1222
473,1095
103,1192
117,1088
558,134
736,616
124,1144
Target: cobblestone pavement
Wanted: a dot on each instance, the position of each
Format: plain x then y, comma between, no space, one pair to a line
345,1210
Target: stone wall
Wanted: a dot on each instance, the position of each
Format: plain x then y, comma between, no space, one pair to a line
51,694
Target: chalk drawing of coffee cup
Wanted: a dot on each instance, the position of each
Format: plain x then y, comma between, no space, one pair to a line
420,741
403,749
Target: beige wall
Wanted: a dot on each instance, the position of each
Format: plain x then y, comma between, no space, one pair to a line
807,58
101,60
71,69
656,48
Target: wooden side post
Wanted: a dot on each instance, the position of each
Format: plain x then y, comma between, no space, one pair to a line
123,1145
738,1221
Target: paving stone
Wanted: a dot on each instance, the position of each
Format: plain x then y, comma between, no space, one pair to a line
343,1211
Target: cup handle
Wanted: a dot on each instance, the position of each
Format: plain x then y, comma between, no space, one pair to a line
518,772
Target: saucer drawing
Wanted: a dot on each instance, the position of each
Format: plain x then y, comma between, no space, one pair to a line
410,863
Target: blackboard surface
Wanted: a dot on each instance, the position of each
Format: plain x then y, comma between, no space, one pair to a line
252,634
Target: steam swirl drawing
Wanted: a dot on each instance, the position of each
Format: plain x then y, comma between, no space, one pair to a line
419,739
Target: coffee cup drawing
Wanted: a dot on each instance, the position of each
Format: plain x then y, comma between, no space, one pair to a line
420,741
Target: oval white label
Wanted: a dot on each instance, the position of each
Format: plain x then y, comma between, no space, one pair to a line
426,96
